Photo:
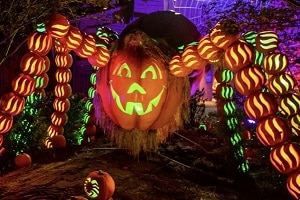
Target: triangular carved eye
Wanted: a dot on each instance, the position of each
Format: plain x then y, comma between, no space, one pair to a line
150,70
120,71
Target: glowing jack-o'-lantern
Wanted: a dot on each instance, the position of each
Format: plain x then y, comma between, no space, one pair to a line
137,91
99,185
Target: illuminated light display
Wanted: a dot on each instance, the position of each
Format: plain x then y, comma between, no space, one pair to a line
238,55
266,41
11,103
286,157
249,80
235,138
100,58
57,25
207,50
54,130
275,63
6,122
61,105
249,37
223,76
41,81
272,131
39,43
191,59
60,45
293,184
87,47
260,104
295,124
258,58
23,85
99,185
63,75
281,84
33,64
63,60
224,91
59,118
63,90
73,38
224,33
226,107
289,104
177,67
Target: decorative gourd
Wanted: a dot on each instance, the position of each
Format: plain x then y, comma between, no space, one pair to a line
58,141
238,55
23,85
289,104
224,33
293,184
87,47
63,90
59,118
272,131
33,64
99,185
6,122
177,67
208,51
63,75
260,104
286,157
249,80
57,25
55,130
266,41
39,42
100,58
73,38
61,105
22,160
224,91
294,121
275,63
191,59
136,90
12,103
63,60
223,75
47,142
249,37
258,58
280,84
60,45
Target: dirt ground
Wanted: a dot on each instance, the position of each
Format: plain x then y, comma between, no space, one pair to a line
179,170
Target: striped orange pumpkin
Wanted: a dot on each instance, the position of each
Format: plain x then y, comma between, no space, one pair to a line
6,122
259,105
63,60
293,184
33,64
248,80
87,47
289,104
12,103
54,130
39,43
238,55
208,51
286,157
191,59
61,105
63,90
59,118
73,38
177,68
275,63
23,85
294,121
63,75
57,25
272,131
100,58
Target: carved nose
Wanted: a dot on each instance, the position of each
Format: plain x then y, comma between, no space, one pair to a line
136,87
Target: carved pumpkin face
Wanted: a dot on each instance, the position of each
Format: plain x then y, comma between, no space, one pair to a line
136,89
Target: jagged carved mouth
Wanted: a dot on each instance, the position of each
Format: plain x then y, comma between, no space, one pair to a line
138,107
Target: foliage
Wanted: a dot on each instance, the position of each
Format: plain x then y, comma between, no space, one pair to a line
30,127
